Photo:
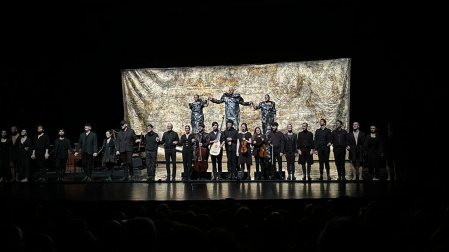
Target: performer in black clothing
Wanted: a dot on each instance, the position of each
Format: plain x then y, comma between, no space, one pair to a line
109,155
244,152
5,143
151,140
170,140
373,150
216,160
290,151
305,151
87,142
259,143
356,139
230,136
339,141
14,152
60,152
201,141
322,143
124,146
232,106
276,141
187,152
23,162
41,144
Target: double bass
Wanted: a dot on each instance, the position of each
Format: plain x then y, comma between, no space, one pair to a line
200,164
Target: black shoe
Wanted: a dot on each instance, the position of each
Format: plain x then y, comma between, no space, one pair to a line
329,178
294,178
321,178
309,178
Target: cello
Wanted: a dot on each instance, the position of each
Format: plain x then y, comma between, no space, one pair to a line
200,164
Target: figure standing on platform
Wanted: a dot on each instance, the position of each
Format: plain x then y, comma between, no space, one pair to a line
339,141
232,106
41,144
305,151
14,152
290,151
124,146
230,136
322,148
244,152
276,141
5,166
373,150
259,143
151,141
216,137
186,141
61,154
201,142
170,140
268,109
23,162
356,139
197,116
109,154
87,142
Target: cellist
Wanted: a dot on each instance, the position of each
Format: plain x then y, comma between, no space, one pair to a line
201,141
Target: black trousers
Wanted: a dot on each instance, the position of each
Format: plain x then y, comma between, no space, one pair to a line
87,161
150,162
217,163
127,163
60,165
170,157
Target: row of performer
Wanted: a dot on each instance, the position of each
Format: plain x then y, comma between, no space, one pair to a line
267,150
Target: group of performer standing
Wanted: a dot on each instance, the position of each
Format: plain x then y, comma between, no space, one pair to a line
267,146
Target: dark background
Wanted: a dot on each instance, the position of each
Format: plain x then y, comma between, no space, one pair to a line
62,63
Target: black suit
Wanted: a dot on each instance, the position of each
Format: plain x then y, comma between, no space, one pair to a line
88,145
125,145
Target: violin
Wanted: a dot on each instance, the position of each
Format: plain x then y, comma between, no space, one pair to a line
243,148
263,151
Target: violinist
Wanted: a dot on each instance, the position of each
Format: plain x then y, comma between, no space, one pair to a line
201,142
244,151
259,143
